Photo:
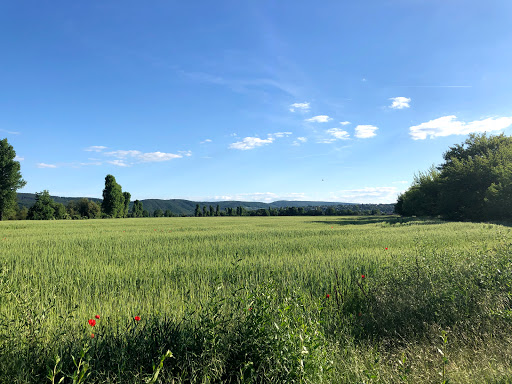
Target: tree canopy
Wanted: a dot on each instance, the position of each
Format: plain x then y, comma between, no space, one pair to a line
473,183
113,198
10,179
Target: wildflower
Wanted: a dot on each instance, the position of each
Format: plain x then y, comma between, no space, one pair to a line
386,248
92,322
97,316
92,335
362,276
136,318
327,296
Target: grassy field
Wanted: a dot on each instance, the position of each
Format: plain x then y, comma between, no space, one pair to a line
256,299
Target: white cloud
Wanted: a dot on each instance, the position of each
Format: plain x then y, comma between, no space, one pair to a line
280,134
205,141
119,163
92,163
148,157
400,102
365,131
9,132
95,148
376,195
251,143
266,197
157,157
18,158
448,125
43,165
319,119
338,133
344,122
300,140
304,107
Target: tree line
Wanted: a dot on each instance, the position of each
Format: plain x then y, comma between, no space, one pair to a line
474,183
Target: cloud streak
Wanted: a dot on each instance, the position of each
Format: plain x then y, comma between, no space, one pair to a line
303,107
365,131
449,125
319,119
400,102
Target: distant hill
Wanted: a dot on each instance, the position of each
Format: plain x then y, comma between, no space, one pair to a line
187,207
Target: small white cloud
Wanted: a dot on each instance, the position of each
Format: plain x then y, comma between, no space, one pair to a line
375,195
365,131
344,122
157,157
123,154
304,107
400,102
266,197
326,141
300,140
338,133
92,163
9,132
43,165
185,153
95,148
448,125
251,143
119,163
364,80
205,141
280,134
18,158
319,119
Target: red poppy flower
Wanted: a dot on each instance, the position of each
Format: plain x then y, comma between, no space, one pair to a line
137,318
362,276
386,248
92,335
327,296
92,322
97,316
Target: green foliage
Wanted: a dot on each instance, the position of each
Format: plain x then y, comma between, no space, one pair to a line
44,207
474,183
10,179
127,196
113,198
137,209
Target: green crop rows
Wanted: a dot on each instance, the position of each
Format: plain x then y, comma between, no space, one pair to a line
244,299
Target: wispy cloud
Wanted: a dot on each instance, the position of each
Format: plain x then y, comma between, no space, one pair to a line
265,197
18,158
44,165
344,122
448,125
303,107
251,143
338,134
365,131
300,140
206,141
119,163
319,119
377,195
95,148
10,132
400,102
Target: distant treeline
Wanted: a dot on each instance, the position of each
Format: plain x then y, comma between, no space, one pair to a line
474,183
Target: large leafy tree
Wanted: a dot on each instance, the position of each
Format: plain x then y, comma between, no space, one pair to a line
113,199
127,196
137,208
473,183
44,208
10,178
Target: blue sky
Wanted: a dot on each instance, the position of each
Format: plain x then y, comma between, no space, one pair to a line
248,100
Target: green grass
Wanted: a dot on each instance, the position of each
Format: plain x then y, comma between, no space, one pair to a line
241,299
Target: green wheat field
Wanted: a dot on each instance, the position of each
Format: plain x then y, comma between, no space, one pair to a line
255,300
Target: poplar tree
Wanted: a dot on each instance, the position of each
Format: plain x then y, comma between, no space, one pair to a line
127,196
113,199
10,178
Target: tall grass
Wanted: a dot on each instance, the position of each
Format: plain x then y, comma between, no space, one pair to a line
245,300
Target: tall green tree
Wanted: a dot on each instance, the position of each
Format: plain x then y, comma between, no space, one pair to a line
113,199
127,196
10,179
137,209
43,208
